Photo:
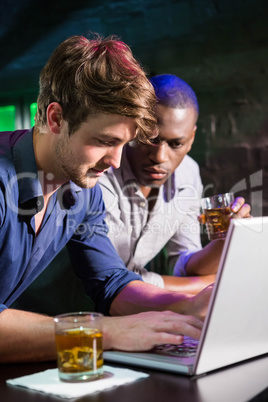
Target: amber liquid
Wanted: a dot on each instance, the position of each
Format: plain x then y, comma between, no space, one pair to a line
217,222
79,351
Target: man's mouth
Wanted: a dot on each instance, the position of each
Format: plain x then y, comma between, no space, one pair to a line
156,174
96,172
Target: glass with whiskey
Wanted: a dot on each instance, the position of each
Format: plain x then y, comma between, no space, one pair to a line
79,346
217,213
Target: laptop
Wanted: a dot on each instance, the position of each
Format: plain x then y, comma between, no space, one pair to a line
236,326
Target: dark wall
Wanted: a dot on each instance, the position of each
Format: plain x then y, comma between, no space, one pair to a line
219,47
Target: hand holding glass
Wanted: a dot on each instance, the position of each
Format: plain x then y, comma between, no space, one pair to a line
217,211
79,346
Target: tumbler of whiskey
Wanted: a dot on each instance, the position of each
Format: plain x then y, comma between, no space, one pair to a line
79,346
217,212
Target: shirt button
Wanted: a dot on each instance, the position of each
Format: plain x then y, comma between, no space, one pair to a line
142,204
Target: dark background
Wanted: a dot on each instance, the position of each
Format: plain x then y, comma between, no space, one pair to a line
220,47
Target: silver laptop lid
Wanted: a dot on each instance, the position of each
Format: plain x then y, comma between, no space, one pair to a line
236,326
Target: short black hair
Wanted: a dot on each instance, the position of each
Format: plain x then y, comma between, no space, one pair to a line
172,91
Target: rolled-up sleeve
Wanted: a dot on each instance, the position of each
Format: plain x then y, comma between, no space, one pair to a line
2,307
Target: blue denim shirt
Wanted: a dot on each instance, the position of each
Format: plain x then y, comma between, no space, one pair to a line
74,217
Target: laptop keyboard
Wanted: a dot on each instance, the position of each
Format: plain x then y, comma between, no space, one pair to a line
186,349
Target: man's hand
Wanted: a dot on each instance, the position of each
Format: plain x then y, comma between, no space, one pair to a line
199,302
240,209
143,331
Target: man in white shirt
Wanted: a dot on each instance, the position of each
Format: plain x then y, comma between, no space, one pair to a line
153,199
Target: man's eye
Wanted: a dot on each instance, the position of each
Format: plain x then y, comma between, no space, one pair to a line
155,141
106,143
175,145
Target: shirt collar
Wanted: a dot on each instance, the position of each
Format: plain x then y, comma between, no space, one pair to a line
67,195
30,190
26,168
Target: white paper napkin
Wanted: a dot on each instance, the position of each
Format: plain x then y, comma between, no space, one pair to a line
48,381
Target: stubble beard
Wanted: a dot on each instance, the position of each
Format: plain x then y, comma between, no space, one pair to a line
72,170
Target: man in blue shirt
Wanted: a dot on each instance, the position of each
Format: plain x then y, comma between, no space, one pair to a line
94,98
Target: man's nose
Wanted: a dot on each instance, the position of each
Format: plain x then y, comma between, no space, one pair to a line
113,157
159,153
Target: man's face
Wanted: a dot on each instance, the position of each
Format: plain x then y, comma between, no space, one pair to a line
83,156
153,164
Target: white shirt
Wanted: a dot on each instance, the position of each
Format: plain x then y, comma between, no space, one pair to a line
138,235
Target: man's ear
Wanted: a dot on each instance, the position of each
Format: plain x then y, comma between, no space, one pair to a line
194,131
193,137
54,117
